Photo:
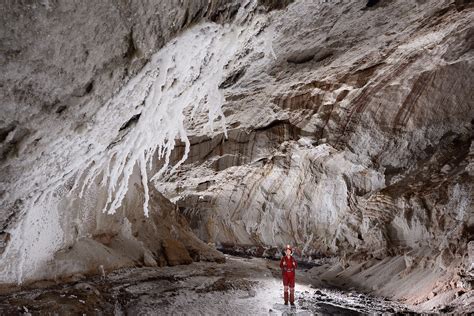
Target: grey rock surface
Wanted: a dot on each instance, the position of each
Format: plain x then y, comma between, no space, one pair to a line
341,128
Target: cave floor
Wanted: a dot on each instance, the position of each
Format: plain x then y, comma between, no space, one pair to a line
241,286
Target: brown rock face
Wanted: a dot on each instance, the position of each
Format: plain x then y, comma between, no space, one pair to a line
175,252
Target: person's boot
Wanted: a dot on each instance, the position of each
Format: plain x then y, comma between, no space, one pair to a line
286,297
292,297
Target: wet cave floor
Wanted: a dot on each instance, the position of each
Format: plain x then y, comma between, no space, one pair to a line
241,286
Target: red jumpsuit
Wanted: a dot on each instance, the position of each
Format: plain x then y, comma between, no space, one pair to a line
288,266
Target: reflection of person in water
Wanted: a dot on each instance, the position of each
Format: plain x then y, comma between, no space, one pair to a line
288,266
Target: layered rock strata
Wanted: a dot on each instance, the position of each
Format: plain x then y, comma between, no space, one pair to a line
346,131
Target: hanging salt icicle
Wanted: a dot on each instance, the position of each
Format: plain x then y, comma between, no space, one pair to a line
179,82
189,71
184,74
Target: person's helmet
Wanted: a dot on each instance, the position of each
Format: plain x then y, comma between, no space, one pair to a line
288,247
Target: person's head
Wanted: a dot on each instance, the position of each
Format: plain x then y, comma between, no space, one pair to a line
288,250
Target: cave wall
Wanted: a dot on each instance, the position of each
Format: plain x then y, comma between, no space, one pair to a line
61,63
354,140
74,79
348,130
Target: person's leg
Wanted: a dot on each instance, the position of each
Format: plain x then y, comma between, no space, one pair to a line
285,288
291,284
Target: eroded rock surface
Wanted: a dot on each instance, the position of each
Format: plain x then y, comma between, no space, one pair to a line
356,139
342,128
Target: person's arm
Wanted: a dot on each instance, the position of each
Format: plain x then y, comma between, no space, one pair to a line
294,263
281,262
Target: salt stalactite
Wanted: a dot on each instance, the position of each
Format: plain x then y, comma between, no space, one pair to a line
186,73
189,68
183,77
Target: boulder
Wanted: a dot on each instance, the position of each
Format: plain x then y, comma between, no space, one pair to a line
175,252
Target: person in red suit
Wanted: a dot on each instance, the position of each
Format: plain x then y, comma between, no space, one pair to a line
288,266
